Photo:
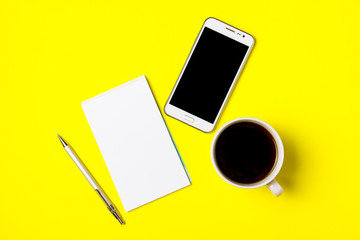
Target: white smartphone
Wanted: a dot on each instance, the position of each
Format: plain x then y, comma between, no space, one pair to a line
209,74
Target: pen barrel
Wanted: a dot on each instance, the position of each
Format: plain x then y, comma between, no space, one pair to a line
81,167
107,202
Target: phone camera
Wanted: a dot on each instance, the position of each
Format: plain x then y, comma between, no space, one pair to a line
243,35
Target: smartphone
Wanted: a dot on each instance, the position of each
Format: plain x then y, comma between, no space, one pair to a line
209,74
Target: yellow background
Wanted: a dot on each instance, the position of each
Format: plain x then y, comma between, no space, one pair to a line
302,77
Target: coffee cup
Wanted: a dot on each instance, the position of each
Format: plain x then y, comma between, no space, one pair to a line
248,153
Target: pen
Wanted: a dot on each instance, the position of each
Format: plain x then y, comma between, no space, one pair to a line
90,179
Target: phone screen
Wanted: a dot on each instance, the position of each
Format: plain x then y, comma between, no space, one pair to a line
209,74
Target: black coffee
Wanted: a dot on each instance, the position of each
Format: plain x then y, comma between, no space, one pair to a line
245,152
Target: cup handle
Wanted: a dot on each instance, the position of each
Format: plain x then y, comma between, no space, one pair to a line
275,188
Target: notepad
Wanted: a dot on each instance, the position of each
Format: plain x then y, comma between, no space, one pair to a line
135,143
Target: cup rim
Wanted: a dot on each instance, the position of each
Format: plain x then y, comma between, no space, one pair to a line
279,145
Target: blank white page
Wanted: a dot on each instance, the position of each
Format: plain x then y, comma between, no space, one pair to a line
135,143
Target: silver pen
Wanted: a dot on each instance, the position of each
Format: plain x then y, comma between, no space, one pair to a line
90,179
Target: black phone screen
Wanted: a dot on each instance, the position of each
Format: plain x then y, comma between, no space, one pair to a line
209,74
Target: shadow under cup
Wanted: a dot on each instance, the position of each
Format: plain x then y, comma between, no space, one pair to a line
245,153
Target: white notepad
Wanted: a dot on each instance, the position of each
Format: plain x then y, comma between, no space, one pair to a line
135,143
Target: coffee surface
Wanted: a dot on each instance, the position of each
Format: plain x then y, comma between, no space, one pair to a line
245,152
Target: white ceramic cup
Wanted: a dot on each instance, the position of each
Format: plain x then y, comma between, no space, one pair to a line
269,180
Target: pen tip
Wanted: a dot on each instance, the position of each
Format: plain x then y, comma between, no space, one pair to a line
63,142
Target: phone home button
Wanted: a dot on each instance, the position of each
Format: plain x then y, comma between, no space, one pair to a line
189,119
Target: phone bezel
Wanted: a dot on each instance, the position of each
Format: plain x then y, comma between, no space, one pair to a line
230,32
